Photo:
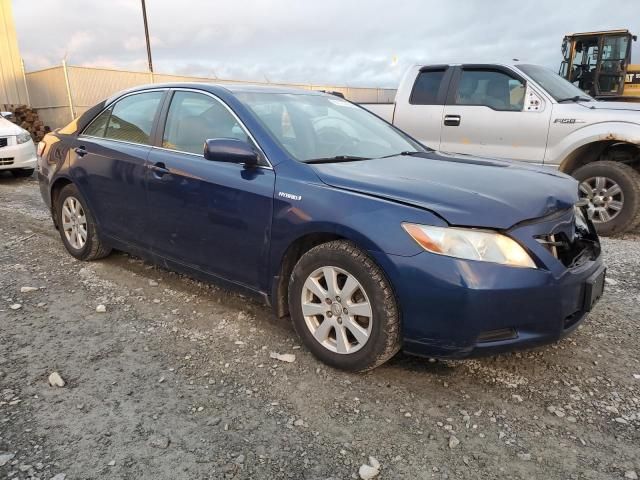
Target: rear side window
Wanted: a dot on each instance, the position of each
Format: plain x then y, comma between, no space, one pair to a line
132,118
425,90
194,118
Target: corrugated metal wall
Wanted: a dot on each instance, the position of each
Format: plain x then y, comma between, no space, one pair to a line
87,86
12,88
48,94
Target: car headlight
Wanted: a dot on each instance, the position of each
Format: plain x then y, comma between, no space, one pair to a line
470,244
23,137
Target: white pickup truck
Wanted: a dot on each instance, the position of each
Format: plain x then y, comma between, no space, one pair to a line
528,113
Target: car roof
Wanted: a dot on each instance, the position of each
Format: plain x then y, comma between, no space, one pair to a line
213,87
511,63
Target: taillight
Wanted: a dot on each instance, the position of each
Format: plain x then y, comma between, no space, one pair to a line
40,149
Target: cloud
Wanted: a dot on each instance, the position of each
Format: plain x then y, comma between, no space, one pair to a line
80,41
333,42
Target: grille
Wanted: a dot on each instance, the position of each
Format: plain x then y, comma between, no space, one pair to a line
572,319
575,245
6,161
497,335
4,141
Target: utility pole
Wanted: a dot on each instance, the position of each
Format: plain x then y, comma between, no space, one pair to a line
146,35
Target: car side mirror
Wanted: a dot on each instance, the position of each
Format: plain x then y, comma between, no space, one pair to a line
6,114
230,150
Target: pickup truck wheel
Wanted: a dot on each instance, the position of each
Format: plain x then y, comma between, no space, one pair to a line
78,229
343,307
613,192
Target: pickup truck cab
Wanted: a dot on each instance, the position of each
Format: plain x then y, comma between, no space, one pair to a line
528,113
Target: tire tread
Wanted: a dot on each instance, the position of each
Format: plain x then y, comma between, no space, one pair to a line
97,248
392,330
633,175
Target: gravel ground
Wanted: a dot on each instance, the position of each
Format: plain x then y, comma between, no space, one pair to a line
176,380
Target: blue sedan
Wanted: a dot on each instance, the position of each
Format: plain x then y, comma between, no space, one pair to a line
368,240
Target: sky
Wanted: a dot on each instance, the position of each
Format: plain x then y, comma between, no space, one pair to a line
334,42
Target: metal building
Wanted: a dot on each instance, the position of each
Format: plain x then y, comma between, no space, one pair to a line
12,80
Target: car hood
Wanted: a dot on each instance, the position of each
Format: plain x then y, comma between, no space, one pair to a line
603,105
7,128
464,190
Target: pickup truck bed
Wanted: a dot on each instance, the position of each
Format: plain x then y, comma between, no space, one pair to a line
383,110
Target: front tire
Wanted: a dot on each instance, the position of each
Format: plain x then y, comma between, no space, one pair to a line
613,192
77,226
343,308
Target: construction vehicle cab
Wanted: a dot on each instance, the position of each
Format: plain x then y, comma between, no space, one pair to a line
599,64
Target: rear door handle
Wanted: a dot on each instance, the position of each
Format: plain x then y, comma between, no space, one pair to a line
452,120
80,151
159,169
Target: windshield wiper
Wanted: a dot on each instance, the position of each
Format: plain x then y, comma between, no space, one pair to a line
577,98
352,158
406,153
337,158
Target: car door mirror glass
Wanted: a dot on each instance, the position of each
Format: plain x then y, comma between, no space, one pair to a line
230,150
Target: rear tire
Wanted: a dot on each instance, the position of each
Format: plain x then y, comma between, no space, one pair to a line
597,181
349,341
77,226
22,172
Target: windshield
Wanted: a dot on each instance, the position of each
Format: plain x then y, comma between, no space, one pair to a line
553,83
312,127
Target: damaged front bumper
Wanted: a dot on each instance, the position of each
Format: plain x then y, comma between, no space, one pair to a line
456,308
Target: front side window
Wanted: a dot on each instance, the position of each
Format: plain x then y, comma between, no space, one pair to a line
585,63
490,88
312,127
425,90
194,118
131,118
612,69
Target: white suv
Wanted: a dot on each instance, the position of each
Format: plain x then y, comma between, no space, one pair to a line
17,151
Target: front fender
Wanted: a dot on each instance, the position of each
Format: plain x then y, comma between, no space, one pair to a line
627,132
372,223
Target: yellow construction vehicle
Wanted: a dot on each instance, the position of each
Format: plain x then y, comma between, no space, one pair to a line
600,64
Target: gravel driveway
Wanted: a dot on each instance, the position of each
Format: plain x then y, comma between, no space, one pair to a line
176,380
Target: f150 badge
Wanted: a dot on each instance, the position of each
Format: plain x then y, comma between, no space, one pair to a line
290,196
568,120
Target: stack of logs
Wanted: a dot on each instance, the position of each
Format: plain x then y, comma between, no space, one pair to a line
27,118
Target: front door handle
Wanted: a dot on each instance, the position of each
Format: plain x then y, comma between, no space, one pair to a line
452,120
81,151
159,169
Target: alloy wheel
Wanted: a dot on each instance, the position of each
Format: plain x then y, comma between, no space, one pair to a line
604,196
337,310
74,222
